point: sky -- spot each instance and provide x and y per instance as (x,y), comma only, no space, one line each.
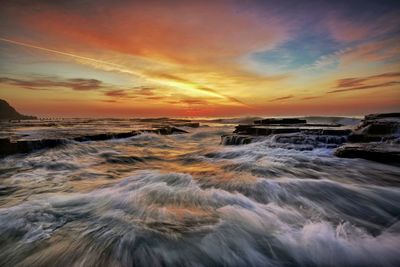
(82,58)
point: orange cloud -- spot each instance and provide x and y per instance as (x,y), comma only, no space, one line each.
(374,81)
(185,32)
(77,84)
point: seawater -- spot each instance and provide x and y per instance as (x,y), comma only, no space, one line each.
(186,200)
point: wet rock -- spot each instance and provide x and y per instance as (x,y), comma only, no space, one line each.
(290,131)
(382,116)
(380,152)
(187,124)
(316,141)
(285,121)
(234,139)
(377,128)
(264,131)
(376,138)
(165,131)
(105,136)
(109,136)
(260,130)
(26,146)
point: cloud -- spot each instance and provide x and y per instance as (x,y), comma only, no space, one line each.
(386,49)
(116,93)
(310,97)
(144,91)
(356,28)
(385,84)
(193,101)
(78,84)
(133,92)
(282,98)
(374,81)
(193,85)
(181,31)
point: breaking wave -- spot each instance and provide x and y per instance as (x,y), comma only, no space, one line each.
(184,200)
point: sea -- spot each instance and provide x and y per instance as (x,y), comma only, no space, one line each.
(188,200)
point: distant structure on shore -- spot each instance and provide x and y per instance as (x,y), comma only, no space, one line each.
(7,112)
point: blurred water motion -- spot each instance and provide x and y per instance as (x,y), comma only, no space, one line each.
(185,200)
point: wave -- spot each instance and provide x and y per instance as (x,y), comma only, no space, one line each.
(153,218)
(104,204)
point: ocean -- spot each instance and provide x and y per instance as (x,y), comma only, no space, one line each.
(187,200)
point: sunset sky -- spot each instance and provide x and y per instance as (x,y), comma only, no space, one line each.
(199,58)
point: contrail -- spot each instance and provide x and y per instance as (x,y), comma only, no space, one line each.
(58,52)
(119,67)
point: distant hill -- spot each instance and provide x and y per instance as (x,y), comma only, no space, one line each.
(7,112)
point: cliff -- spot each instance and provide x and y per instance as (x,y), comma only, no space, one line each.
(7,112)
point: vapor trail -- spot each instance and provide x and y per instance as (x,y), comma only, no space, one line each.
(58,52)
(117,66)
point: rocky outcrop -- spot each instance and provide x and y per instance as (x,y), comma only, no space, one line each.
(235,139)
(313,140)
(385,153)
(7,147)
(285,121)
(165,122)
(376,138)
(377,128)
(7,112)
(292,131)
(307,129)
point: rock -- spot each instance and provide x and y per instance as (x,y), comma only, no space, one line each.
(108,136)
(187,124)
(26,146)
(377,128)
(234,139)
(165,131)
(285,121)
(382,115)
(7,112)
(105,136)
(317,141)
(260,130)
(381,152)
(293,131)
(376,138)
(265,130)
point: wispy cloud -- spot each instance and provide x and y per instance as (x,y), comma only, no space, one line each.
(282,98)
(360,83)
(78,84)
(310,97)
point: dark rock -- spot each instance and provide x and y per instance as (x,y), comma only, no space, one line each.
(105,136)
(382,115)
(381,129)
(234,139)
(7,112)
(165,131)
(109,136)
(187,124)
(377,128)
(260,130)
(284,121)
(26,146)
(315,141)
(380,152)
